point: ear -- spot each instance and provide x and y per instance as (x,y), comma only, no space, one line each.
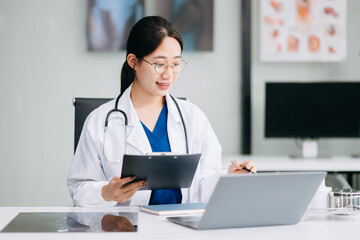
(131,60)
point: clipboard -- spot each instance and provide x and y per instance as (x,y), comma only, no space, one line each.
(162,171)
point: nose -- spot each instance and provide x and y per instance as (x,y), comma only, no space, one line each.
(169,73)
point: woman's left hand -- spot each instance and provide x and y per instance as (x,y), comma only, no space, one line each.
(238,167)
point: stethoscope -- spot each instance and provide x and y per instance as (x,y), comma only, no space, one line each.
(116,109)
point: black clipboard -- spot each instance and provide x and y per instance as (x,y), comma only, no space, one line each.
(162,171)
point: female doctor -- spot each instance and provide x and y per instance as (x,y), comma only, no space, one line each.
(146,119)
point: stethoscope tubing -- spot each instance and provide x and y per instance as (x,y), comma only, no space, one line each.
(116,109)
(183,124)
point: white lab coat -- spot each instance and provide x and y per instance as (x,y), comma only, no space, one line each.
(90,170)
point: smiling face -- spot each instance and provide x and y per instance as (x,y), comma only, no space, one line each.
(147,81)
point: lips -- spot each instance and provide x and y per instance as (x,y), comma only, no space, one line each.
(163,86)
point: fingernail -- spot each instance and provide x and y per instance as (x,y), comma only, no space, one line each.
(132,178)
(145,183)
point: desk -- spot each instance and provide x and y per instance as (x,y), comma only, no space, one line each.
(339,164)
(314,225)
(281,163)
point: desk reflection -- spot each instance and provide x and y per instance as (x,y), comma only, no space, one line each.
(62,222)
(111,223)
(102,222)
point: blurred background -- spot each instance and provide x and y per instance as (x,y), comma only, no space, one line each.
(46,59)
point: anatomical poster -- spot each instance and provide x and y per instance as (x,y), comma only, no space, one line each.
(302,30)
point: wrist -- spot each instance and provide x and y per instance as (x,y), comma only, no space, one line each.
(105,193)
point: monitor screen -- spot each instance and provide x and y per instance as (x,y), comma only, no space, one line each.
(312,110)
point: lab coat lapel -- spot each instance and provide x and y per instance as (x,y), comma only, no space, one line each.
(136,136)
(138,139)
(175,128)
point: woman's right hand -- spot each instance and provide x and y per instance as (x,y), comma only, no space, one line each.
(116,191)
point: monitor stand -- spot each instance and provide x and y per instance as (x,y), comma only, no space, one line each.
(309,150)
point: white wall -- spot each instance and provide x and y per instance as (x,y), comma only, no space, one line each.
(348,70)
(44,64)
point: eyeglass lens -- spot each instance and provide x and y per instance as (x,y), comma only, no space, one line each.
(177,67)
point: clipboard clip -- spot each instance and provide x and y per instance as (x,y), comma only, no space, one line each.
(162,153)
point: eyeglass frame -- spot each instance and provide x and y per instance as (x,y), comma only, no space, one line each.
(169,65)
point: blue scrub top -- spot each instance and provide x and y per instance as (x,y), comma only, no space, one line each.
(159,142)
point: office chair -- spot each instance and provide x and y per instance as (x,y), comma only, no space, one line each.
(83,107)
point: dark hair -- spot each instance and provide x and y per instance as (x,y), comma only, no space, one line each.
(145,36)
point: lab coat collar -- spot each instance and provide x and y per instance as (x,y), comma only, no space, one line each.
(126,105)
(136,135)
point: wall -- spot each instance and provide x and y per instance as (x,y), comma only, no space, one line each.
(348,70)
(44,64)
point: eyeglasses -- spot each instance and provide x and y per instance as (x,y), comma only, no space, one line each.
(163,66)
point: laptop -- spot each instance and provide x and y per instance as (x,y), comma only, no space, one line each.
(251,200)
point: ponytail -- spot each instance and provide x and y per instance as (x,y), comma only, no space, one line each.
(127,77)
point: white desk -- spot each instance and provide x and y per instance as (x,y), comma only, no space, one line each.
(281,163)
(314,225)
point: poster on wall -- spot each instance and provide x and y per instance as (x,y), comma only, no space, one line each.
(108,22)
(303,30)
(193,18)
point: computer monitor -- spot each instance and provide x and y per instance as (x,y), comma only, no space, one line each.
(311,110)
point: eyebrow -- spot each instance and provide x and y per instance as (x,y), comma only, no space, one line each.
(163,57)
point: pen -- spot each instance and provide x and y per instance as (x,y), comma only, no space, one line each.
(244,168)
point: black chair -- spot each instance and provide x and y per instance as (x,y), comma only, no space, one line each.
(83,107)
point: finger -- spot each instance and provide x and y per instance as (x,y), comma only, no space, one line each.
(238,165)
(241,166)
(128,194)
(246,163)
(249,164)
(123,181)
(136,185)
(234,167)
(125,192)
(241,170)
(114,182)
